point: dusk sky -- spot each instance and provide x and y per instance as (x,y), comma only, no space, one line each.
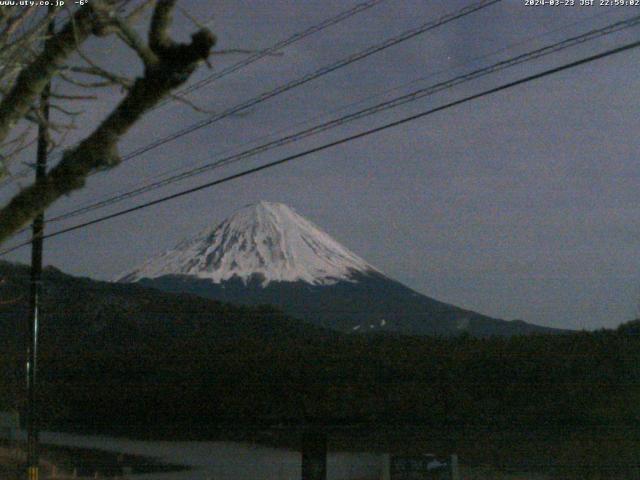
(522,204)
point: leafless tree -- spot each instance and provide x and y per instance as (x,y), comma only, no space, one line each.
(26,70)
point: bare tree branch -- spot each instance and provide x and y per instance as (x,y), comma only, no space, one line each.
(98,71)
(138,11)
(131,38)
(111,78)
(33,78)
(70,113)
(159,39)
(80,83)
(61,96)
(14,23)
(176,62)
(190,104)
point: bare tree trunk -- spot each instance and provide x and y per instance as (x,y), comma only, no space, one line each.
(167,65)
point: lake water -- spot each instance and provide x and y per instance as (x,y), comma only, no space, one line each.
(223,460)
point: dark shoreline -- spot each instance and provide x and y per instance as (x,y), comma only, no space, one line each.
(567,452)
(88,461)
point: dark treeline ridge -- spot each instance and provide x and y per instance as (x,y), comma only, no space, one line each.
(122,359)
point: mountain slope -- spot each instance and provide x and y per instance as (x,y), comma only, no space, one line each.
(268,241)
(85,311)
(371,303)
(268,254)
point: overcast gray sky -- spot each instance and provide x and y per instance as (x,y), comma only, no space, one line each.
(523,204)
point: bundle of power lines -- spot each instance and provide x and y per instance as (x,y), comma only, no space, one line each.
(341,120)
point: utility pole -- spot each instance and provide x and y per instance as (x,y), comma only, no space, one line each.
(314,454)
(36,286)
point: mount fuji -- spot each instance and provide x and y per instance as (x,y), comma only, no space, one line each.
(266,253)
(267,242)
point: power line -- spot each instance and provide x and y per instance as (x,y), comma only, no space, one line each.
(296,37)
(393,103)
(143,181)
(341,141)
(403,37)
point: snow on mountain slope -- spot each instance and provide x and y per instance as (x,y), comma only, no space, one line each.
(269,240)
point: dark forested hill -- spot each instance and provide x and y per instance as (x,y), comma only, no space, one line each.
(123,353)
(123,358)
(370,303)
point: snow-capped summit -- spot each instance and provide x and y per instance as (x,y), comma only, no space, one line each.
(269,241)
